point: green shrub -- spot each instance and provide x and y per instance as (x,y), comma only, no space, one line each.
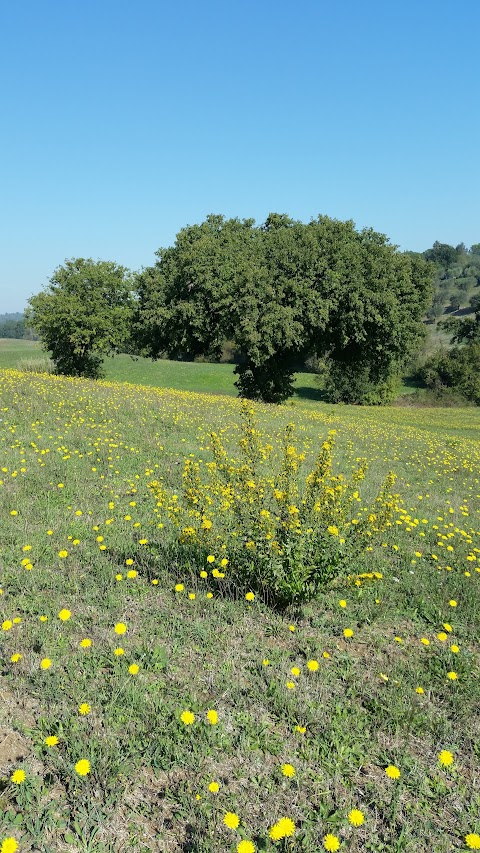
(283,535)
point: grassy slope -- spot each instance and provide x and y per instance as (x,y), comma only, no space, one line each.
(69,448)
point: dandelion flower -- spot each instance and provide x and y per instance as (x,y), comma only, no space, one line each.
(231,820)
(187,717)
(425,641)
(7,625)
(452,676)
(342,602)
(18,776)
(295,671)
(312,665)
(301,729)
(132,574)
(16,657)
(82,767)
(420,691)
(250,596)
(284,828)
(347,634)
(133,668)
(45,663)
(446,758)
(246,846)
(212,717)
(120,628)
(203,574)
(9,845)
(51,740)
(472,840)
(356,817)
(392,772)
(210,558)
(452,602)
(455,649)
(331,842)
(84,709)
(86,643)
(290,685)
(119,651)
(63,554)
(179,587)
(214,787)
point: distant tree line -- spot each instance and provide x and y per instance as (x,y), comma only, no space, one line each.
(13,326)
(457,274)
(280,293)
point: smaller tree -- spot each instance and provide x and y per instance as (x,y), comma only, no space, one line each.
(83,314)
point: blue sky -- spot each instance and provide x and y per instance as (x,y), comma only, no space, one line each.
(124,120)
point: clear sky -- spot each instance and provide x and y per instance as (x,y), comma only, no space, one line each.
(124,120)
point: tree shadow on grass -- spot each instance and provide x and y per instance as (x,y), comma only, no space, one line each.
(306,393)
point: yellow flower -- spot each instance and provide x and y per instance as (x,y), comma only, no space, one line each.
(212,717)
(455,649)
(203,574)
(392,772)
(472,840)
(326,655)
(120,628)
(45,663)
(312,665)
(331,843)
(86,643)
(119,577)
(283,828)
(133,668)
(419,690)
(63,554)
(132,574)
(452,602)
(82,767)
(119,651)
(301,729)
(266,662)
(84,709)
(446,758)
(179,587)
(290,685)
(18,776)
(51,740)
(129,562)
(231,820)
(452,676)
(7,625)
(9,845)
(342,602)
(442,636)
(356,817)
(187,717)
(295,671)
(250,596)
(210,558)
(425,641)
(288,770)
(16,657)
(214,787)
(348,633)
(333,530)
(246,846)
(291,628)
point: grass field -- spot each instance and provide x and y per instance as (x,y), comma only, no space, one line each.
(149,705)
(183,376)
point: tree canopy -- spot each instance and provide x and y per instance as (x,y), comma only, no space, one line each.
(284,291)
(83,314)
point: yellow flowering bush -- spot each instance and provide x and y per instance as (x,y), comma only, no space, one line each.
(287,534)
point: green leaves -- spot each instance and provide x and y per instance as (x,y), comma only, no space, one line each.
(83,314)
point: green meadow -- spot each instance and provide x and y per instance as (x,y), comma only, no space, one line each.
(152,702)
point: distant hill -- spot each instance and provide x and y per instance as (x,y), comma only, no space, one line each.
(457,283)
(4,318)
